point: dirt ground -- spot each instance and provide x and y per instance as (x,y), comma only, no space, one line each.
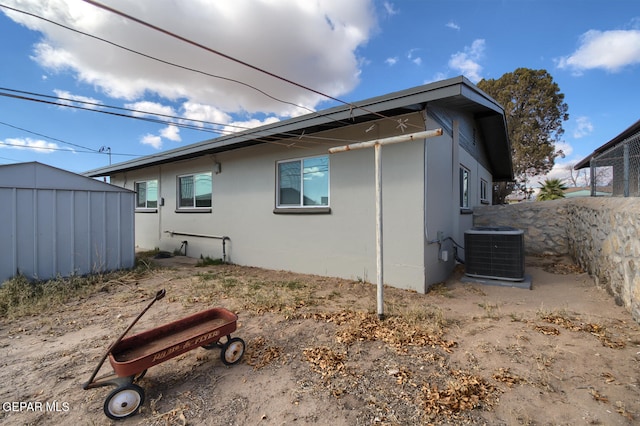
(561,353)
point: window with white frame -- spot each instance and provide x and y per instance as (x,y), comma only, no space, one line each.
(194,191)
(464,188)
(147,194)
(484,191)
(303,182)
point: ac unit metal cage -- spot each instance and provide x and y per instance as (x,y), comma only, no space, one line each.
(494,252)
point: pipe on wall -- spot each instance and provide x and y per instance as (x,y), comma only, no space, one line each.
(224,239)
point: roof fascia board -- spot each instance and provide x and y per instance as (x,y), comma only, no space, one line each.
(415,96)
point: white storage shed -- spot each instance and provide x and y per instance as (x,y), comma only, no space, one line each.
(57,223)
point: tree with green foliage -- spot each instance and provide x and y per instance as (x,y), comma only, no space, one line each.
(551,189)
(534,109)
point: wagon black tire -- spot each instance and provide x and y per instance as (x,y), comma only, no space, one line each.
(232,351)
(124,402)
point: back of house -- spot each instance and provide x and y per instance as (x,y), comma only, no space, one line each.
(274,197)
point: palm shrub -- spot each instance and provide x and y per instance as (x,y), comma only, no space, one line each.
(551,189)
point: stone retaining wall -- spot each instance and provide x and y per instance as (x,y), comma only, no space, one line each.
(601,234)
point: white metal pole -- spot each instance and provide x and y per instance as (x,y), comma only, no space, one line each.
(377,146)
(379,229)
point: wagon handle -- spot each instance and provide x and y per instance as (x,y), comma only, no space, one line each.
(159,295)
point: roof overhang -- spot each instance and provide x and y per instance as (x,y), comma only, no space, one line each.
(456,93)
(626,134)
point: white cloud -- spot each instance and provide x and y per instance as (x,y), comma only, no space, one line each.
(453,26)
(609,50)
(153,140)
(202,112)
(413,58)
(565,148)
(390,8)
(583,127)
(391,61)
(238,126)
(172,133)
(36,145)
(144,108)
(67,98)
(259,33)
(466,62)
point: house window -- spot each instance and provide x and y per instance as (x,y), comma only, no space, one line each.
(303,183)
(194,191)
(464,188)
(484,191)
(147,194)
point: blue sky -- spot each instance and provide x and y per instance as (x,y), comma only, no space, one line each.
(349,50)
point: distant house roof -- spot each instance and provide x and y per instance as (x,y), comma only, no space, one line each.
(601,191)
(456,93)
(34,175)
(631,131)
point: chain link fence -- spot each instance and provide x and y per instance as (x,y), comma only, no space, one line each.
(617,171)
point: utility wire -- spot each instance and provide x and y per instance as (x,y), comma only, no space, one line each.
(401,125)
(137,111)
(181,119)
(157,59)
(165,61)
(260,138)
(47,137)
(239,61)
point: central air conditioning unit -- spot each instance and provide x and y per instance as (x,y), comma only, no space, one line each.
(494,252)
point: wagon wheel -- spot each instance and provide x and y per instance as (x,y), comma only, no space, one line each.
(123,402)
(232,351)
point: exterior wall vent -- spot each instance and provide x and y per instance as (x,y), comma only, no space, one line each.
(494,252)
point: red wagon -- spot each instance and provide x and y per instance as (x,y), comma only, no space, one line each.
(131,357)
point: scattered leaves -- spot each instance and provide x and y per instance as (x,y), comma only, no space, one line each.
(548,330)
(325,360)
(597,330)
(259,354)
(464,392)
(504,375)
(394,330)
(598,397)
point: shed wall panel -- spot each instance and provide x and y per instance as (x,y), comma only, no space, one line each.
(7,233)
(25,232)
(45,233)
(64,233)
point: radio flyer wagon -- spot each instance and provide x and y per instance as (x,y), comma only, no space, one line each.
(131,357)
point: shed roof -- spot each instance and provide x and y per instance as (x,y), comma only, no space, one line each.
(629,132)
(456,93)
(34,175)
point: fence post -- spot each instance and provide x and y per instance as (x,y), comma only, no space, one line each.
(592,176)
(625,159)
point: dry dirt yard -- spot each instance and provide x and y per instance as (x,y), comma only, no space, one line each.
(561,353)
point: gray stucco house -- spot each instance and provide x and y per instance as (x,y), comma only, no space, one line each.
(285,203)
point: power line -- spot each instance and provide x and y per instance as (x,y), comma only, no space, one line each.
(47,137)
(157,59)
(165,61)
(260,138)
(233,59)
(137,111)
(401,125)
